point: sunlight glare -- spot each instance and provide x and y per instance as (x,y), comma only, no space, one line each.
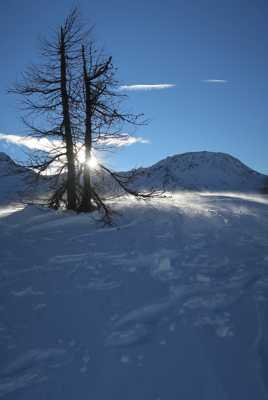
(92,163)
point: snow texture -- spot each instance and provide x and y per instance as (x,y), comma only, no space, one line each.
(171,302)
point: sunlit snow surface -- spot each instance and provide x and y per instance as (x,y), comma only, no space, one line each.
(5,211)
(168,303)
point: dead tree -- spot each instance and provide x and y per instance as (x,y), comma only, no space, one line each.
(103,123)
(49,93)
(87,190)
(73,101)
(65,100)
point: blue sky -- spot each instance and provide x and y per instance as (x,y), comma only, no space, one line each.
(184,43)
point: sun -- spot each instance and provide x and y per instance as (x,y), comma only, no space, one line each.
(92,163)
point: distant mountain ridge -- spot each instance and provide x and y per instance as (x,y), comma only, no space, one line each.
(13,179)
(9,167)
(197,171)
(202,170)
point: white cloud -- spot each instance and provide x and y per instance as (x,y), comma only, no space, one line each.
(45,144)
(123,140)
(214,81)
(30,142)
(159,86)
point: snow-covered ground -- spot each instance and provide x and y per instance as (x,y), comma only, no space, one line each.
(171,302)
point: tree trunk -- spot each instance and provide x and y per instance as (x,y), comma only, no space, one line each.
(87,195)
(71,175)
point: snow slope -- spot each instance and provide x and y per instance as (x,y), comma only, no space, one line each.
(201,171)
(171,302)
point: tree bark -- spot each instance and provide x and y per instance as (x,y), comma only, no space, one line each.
(71,175)
(87,195)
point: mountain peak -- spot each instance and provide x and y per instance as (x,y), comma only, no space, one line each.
(202,170)
(9,167)
(5,157)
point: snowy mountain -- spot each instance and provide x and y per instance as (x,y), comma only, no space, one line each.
(9,167)
(15,150)
(13,179)
(201,171)
(171,302)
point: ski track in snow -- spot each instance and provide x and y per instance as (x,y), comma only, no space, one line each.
(206,254)
(30,368)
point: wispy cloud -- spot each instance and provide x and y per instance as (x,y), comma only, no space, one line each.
(214,81)
(123,140)
(31,143)
(45,144)
(146,87)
